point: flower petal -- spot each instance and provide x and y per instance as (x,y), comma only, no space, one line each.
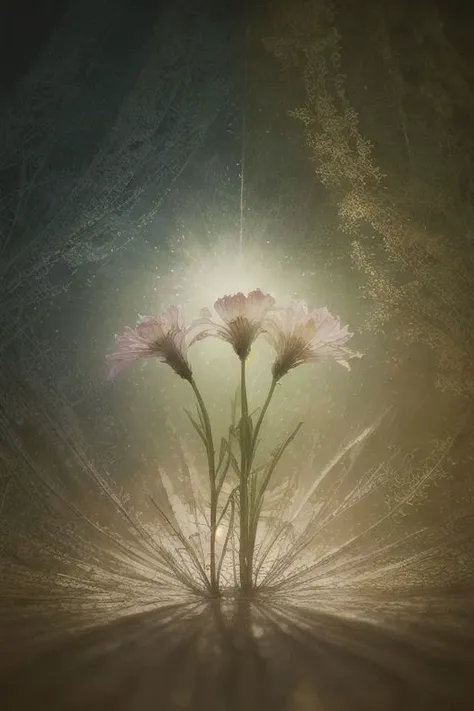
(162,337)
(299,336)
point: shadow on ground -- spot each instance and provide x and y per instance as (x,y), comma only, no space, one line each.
(246,655)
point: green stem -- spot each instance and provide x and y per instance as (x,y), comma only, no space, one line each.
(245,573)
(213,485)
(252,520)
(263,413)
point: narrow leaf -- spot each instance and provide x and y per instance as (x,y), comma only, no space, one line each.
(225,469)
(222,451)
(201,418)
(228,535)
(224,510)
(197,428)
(276,458)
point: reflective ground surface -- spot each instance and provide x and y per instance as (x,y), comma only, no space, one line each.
(250,656)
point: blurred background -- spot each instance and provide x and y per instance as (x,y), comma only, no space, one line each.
(170,153)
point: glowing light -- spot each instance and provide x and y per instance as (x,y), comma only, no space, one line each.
(204,276)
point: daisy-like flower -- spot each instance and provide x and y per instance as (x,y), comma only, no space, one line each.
(163,337)
(242,317)
(301,336)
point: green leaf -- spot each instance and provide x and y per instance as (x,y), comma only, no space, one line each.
(253,484)
(224,510)
(197,428)
(250,430)
(229,533)
(222,451)
(225,469)
(234,464)
(201,418)
(274,463)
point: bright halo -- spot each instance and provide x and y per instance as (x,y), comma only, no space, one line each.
(201,276)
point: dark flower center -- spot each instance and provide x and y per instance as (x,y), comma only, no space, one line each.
(293,351)
(167,349)
(242,334)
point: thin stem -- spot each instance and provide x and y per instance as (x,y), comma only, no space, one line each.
(263,413)
(230,531)
(253,515)
(245,574)
(213,485)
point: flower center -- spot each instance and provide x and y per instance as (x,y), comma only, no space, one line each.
(242,334)
(293,353)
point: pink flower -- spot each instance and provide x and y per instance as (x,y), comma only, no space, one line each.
(243,317)
(300,336)
(162,337)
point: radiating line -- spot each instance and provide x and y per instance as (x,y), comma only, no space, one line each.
(244,130)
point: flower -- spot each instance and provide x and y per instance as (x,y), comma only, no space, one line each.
(300,336)
(162,337)
(243,317)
